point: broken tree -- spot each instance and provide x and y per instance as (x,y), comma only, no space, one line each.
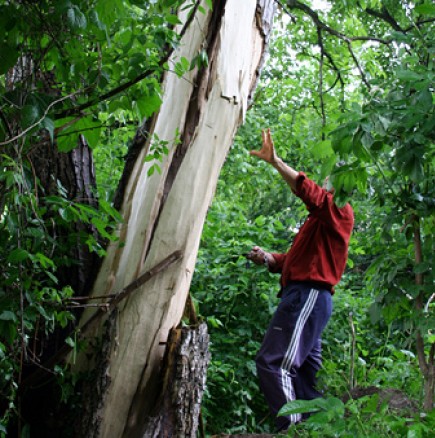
(164,212)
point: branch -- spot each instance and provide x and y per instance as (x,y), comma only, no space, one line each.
(424,366)
(431,359)
(355,60)
(109,307)
(295,4)
(336,69)
(76,110)
(420,23)
(426,307)
(385,16)
(418,255)
(5,121)
(283,7)
(121,295)
(333,65)
(47,110)
(322,103)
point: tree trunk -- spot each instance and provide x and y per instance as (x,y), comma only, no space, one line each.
(426,363)
(52,172)
(164,212)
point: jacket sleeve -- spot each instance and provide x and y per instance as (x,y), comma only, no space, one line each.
(321,203)
(311,194)
(279,259)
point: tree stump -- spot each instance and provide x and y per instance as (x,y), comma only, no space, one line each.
(184,377)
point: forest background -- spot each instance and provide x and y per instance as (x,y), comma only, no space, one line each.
(346,81)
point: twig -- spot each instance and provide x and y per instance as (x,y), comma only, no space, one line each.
(352,352)
(322,102)
(355,60)
(426,307)
(5,121)
(284,8)
(73,305)
(87,298)
(419,23)
(51,105)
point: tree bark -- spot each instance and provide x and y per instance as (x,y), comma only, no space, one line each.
(426,363)
(76,173)
(177,412)
(164,212)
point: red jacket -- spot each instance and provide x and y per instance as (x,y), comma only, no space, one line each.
(319,250)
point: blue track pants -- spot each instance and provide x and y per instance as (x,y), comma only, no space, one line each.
(291,352)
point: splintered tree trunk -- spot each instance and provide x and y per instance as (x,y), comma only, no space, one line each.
(163,214)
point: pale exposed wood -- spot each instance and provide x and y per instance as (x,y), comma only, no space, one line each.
(166,211)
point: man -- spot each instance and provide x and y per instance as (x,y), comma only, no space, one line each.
(290,355)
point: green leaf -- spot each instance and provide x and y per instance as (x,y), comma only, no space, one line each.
(17,255)
(315,405)
(169,3)
(87,126)
(29,115)
(409,76)
(173,19)
(426,9)
(7,315)
(422,267)
(260,221)
(101,227)
(413,167)
(69,341)
(44,260)
(298,407)
(148,105)
(107,207)
(185,63)
(75,18)
(48,124)
(53,278)
(323,149)
(8,57)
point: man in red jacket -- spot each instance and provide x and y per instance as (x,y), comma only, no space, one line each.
(290,355)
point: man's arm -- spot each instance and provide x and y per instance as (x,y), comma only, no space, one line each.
(268,154)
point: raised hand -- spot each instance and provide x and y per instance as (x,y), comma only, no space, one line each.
(267,151)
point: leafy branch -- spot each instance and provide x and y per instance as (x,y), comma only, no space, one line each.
(117,90)
(322,26)
(295,4)
(34,125)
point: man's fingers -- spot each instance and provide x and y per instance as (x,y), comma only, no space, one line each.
(269,136)
(263,138)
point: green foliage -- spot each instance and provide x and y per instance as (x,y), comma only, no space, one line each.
(356,89)
(368,416)
(32,302)
(361,94)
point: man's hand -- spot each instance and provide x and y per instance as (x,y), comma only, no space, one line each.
(268,154)
(260,257)
(267,151)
